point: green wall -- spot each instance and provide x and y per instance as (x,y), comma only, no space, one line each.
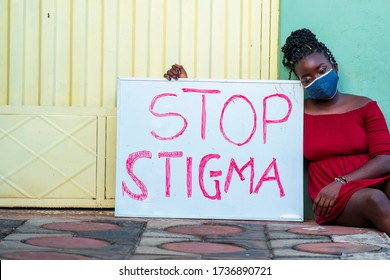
(358,34)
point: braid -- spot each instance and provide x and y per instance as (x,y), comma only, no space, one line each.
(300,44)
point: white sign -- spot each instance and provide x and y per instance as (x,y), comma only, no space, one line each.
(217,149)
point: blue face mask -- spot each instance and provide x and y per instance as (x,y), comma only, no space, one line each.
(324,87)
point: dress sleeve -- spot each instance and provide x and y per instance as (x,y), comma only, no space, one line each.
(377,131)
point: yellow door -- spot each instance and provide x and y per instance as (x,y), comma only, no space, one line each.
(59,64)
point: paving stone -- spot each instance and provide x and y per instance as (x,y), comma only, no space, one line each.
(289,243)
(164,234)
(247,235)
(236,231)
(7,246)
(366,256)
(40,255)
(283,227)
(295,254)
(327,230)
(113,252)
(121,236)
(205,229)
(164,257)
(251,226)
(166,223)
(202,247)
(372,238)
(248,244)
(151,250)
(128,233)
(244,255)
(336,248)
(38,222)
(35,229)
(7,226)
(66,242)
(287,235)
(80,226)
(159,241)
(140,225)
(24,236)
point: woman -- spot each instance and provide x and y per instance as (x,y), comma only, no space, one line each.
(346,140)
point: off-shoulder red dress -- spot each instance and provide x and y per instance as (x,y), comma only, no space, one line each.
(337,144)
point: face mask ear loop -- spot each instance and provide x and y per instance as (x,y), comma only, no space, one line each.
(337,86)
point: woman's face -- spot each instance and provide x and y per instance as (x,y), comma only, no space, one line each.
(312,66)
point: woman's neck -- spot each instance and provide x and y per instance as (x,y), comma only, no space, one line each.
(316,106)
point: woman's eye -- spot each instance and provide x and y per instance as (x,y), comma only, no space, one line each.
(323,70)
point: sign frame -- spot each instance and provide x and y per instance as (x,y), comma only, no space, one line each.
(171,135)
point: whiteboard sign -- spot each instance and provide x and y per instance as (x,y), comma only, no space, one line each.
(216,149)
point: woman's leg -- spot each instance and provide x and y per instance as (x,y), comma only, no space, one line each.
(387,189)
(367,207)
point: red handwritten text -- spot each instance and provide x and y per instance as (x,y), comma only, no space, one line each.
(265,177)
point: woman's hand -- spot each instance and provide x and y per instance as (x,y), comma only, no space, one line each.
(177,71)
(325,199)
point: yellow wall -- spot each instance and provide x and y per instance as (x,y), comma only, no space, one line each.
(59,62)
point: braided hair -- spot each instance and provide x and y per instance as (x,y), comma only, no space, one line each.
(300,44)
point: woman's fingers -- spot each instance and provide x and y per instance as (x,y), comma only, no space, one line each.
(171,74)
(166,76)
(322,206)
(330,206)
(177,71)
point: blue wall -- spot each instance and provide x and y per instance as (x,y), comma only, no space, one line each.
(358,34)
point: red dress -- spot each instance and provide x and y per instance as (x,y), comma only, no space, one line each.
(337,144)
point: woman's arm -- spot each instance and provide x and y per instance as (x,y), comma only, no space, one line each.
(377,167)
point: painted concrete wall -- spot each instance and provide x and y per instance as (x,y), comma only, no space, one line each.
(357,32)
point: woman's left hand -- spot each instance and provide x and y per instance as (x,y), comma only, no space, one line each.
(177,71)
(325,199)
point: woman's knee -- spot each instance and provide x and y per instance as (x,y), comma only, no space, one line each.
(377,201)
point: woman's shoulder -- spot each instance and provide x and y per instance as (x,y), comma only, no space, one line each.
(355,102)
(346,103)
